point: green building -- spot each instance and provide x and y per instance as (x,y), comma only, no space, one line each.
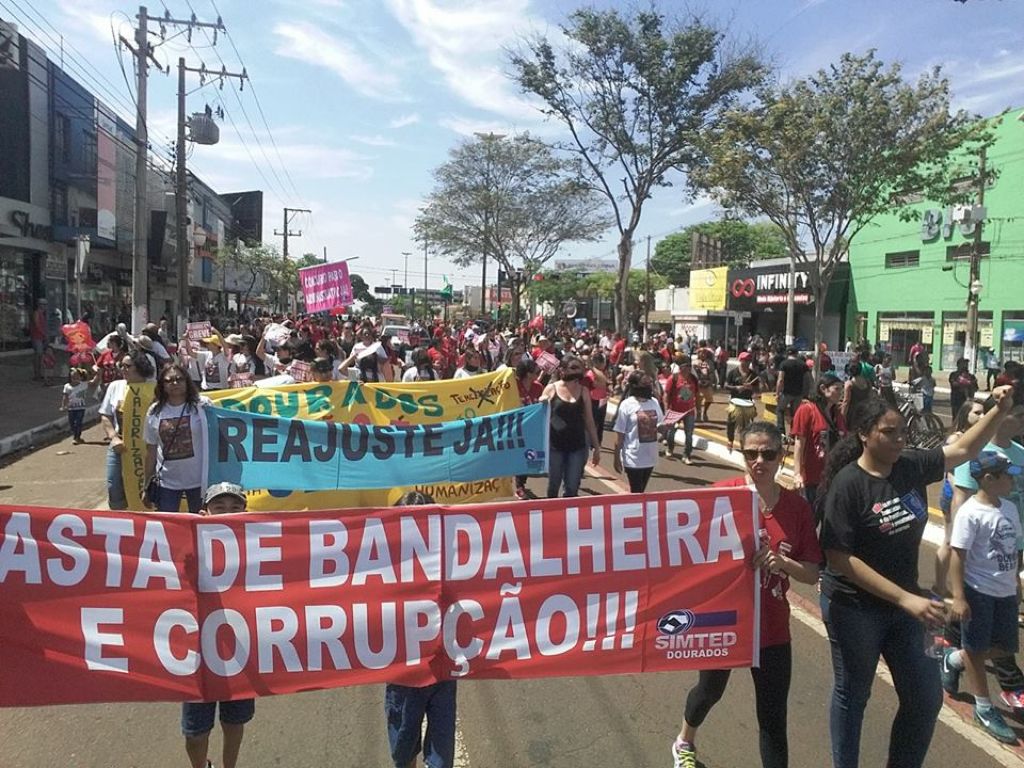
(909,280)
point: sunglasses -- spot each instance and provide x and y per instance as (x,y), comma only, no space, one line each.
(174,380)
(766,454)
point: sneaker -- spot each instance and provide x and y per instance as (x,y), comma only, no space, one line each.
(1013,699)
(683,755)
(687,460)
(668,454)
(950,676)
(992,721)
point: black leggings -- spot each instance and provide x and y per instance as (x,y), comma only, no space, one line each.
(771,692)
(638,478)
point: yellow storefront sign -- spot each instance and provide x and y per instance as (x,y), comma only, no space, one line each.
(708,289)
(347,402)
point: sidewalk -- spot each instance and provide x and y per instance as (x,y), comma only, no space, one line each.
(29,411)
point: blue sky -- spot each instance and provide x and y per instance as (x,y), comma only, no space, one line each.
(365,97)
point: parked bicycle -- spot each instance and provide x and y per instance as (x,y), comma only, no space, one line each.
(924,430)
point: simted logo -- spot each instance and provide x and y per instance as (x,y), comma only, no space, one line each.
(675,622)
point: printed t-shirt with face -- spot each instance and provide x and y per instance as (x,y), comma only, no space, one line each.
(790,531)
(76,395)
(214,368)
(1014,453)
(990,536)
(178,457)
(879,520)
(810,425)
(638,420)
(112,405)
(682,392)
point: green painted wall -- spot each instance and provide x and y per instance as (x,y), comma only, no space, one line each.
(926,288)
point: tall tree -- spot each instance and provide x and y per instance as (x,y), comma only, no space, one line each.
(742,242)
(634,96)
(821,157)
(509,200)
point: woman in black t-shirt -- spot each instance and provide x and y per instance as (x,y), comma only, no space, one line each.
(875,512)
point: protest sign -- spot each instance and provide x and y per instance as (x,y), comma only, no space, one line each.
(198,331)
(547,362)
(304,455)
(300,371)
(671,417)
(112,607)
(346,402)
(325,286)
(241,379)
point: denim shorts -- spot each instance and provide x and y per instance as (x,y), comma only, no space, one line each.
(197,716)
(993,622)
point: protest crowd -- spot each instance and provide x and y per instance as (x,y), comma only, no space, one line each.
(849,518)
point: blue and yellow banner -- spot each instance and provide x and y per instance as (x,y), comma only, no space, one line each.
(303,455)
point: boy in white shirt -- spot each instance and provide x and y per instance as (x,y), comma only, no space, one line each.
(983,578)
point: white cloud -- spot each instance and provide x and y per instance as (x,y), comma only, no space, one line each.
(374,141)
(404,120)
(465,40)
(303,160)
(363,72)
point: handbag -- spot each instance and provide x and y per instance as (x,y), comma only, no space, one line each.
(152,489)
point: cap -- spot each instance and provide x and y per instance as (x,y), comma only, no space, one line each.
(223,489)
(744,355)
(145,342)
(212,340)
(990,462)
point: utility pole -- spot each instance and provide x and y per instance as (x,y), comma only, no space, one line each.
(325,254)
(143,53)
(426,300)
(409,305)
(790,303)
(286,233)
(647,292)
(974,281)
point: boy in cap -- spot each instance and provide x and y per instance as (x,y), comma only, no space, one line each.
(197,717)
(983,578)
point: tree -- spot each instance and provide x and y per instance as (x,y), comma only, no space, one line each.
(557,288)
(361,292)
(742,243)
(634,97)
(511,201)
(822,157)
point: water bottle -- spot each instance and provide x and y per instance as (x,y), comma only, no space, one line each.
(934,640)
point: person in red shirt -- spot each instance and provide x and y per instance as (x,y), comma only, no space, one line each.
(107,368)
(681,396)
(818,424)
(618,348)
(789,550)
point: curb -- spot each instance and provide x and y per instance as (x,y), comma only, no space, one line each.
(29,437)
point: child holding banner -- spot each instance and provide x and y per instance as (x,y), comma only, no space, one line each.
(197,716)
(407,706)
(789,549)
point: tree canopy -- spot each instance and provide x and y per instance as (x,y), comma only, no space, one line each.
(823,156)
(742,243)
(511,199)
(634,95)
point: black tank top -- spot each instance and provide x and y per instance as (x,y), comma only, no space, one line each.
(568,428)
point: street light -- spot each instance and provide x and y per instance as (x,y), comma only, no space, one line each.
(488,137)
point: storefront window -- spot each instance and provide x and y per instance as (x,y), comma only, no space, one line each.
(1013,336)
(954,334)
(899,331)
(15,299)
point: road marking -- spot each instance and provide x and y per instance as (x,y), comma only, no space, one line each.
(947,715)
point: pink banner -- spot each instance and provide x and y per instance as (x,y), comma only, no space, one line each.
(325,286)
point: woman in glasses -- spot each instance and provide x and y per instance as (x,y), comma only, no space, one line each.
(173,436)
(788,550)
(875,512)
(135,369)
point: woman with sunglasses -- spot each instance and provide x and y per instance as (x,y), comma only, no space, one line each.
(172,433)
(875,512)
(572,424)
(135,369)
(788,550)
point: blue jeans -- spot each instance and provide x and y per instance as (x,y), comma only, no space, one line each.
(858,636)
(76,416)
(688,421)
(405,708)
(567,466)
(169,499)
(116,498)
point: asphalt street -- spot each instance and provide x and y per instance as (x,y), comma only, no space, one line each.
(621,720)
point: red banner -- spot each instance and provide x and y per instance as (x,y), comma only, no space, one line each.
(105,606)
